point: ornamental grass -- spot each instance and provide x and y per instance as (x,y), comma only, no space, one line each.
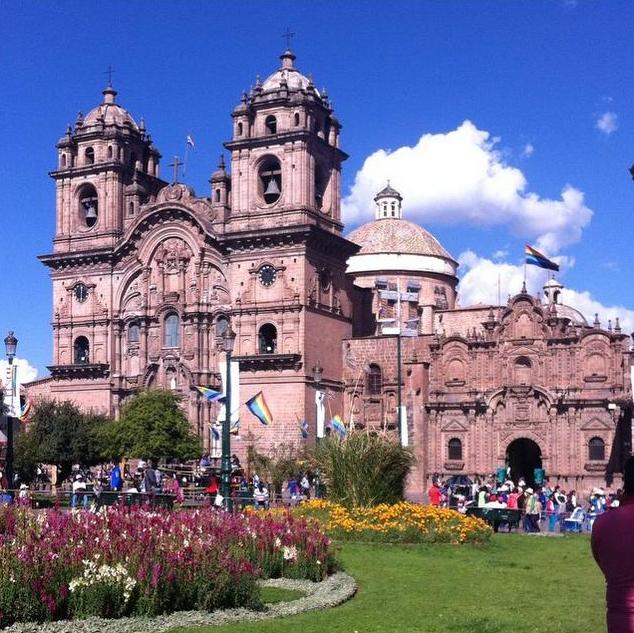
(62,565)
(396,523)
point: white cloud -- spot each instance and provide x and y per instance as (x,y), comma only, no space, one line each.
(607,123)
(479,284)
(26,372)
(528,150)
(461,178)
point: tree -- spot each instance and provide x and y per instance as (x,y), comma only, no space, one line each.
(283,462)
(59,433)
(152,425)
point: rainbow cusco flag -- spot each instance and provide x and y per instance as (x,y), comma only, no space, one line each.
(259,408)
(210,394)
(534,257)
(337,425)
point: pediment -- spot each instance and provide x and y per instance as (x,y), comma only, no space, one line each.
(453,425)
(595,425)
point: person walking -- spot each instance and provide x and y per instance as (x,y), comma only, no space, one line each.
(613,550)
(116,481)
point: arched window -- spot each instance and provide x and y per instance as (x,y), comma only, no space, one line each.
(296,119)
(321,182)
(270,124)
(134,332)
(81,351)
(268,339)
(131,208)
(172,330)
(239,132)
(221,325)
(270,180)
(596,449)
(217,199)
(63,160)
(454,449)
(89,156)
(89,205)
(375,380)
(109,151)
(523,371)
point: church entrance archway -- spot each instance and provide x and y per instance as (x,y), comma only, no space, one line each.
(523,456)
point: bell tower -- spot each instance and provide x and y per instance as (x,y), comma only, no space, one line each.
(285,156)
(107,168)
(287,255)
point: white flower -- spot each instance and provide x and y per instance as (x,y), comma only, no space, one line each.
(289,553)
(277,542)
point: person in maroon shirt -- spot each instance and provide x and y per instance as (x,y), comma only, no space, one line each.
(613,550)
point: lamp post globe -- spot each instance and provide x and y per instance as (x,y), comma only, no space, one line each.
(228,342)
(318,372)
(10,346)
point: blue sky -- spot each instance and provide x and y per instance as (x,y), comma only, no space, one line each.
(547,87)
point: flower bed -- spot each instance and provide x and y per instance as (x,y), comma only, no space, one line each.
(119,562)
(399,522)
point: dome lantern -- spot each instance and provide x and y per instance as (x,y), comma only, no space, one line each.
(388,203)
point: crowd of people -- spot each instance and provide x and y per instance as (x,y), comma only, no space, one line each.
(196,482)
(542,507)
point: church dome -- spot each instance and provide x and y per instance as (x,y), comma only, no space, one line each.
(395,235)
(568,312)
(391,243)
(288,77)
(110,113)
(553,290)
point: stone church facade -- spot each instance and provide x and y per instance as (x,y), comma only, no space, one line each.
(147,276)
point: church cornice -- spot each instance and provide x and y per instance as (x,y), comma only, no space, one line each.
(267,362)
(308,234)
(94,169)
(282,138)
(93,257)
(79,371)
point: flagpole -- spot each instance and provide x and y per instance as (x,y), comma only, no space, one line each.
(185,161)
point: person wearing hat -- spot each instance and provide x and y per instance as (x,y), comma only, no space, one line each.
(613,550)
(533,510)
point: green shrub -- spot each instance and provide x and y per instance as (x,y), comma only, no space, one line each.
(363,469)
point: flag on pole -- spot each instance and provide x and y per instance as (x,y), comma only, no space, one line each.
(337,425)
(215,433)
(25,409)
(190,141)
(257,405)
(210,394)
(303,429)
(534,257)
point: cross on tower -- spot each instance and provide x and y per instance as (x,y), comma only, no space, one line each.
(176,164)
(288,36)
(109,73)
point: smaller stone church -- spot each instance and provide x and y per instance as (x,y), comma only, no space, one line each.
(147,276)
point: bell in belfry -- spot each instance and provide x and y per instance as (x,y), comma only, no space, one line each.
(91,212)
(272,189)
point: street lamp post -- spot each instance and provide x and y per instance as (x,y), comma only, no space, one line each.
(10,346)
(318,372)
(399,396)
(225,464)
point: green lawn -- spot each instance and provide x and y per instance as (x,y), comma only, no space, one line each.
(516,584)
(271,595)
